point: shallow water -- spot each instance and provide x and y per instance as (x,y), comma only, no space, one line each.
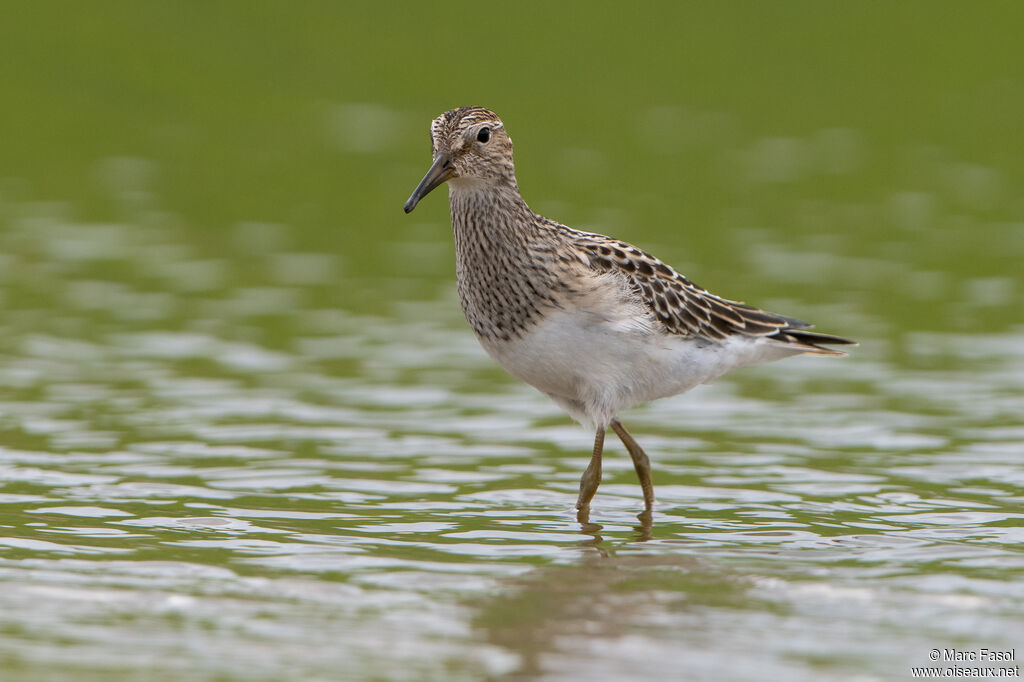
(246,434)
(185,497)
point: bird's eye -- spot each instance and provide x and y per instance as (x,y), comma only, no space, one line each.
(483,135)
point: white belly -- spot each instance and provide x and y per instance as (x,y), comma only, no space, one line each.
(595,367)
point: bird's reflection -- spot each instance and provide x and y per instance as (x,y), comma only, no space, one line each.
(606,595)
(644,529)
(590,529)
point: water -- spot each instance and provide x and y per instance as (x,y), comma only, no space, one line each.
(372,499)
(245,433)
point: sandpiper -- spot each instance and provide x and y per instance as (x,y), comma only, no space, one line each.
(593,322)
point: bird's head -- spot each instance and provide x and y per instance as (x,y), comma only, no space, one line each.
(470,147)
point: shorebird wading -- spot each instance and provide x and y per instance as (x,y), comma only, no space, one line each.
(593,322)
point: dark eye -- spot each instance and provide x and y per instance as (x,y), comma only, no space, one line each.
(483,135)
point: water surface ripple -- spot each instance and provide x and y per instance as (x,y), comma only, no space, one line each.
(221,481)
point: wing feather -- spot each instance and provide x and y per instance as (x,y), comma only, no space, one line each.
(688,310)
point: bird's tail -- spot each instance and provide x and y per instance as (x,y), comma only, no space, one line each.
(812,342)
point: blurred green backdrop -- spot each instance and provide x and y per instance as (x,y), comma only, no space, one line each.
(687,127)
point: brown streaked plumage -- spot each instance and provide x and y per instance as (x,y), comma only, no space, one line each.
(594,322)
(685,309)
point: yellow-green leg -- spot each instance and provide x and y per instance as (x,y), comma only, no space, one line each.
(640,462)
(592,476)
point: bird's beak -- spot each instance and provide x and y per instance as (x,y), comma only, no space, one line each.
(440,171)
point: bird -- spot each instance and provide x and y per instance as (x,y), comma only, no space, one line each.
(593,322)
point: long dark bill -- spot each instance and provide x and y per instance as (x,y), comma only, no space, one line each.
(439,171)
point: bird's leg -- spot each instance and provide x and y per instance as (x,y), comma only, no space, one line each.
(592,476)
(640,462)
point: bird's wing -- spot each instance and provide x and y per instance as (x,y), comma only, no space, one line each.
(686,309)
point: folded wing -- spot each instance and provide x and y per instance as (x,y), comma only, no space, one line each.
(686,309)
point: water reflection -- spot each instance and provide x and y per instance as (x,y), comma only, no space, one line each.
(610,616)
(643,528)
